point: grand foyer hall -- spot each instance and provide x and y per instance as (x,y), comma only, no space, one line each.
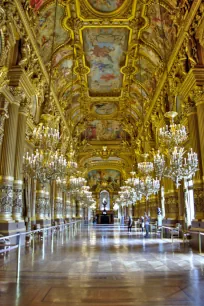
(103,265)
(101,131)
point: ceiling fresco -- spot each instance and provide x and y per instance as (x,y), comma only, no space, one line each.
(109,57)
(106,5)
(104,130)
(105,52)
(161,33)
(105,109)
(97,178)
(45,26)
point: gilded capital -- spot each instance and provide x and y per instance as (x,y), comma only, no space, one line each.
(18,94)
(198,95)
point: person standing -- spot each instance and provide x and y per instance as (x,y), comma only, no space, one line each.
(146,222)
(129,224)
(142,223)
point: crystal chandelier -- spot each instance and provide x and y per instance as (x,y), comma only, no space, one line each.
(44,166)
(177,164)
(179,167)
(174,134)
(145,167)
(147,186)
(76,182)
(46,137)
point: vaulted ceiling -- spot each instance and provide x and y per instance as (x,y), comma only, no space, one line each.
(107,58)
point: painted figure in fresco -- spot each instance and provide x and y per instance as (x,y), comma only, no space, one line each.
(36,4)
(102,52)
(102,67)
(107,77)
(99,3)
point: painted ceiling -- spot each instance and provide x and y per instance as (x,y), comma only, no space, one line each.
(104,50)
(107,59)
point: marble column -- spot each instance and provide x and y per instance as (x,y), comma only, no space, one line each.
(194,138)
(33,202)
(58,204)
(3,115)
(73,207)
(200,116)
(67,207)
(40,204)
(18,170)
(129,210)
(198,187)
(47,205)
(7,170)
(171,202)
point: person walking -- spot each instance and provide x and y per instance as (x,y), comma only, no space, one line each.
(129,224)
(146,222)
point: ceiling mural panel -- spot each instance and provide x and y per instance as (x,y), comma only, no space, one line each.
(105,108)
(104,130)
(105,54)
(106,5)
(161,33)
(117,9)
(107,177)
(45,27)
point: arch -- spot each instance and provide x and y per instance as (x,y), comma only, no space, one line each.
(104,197)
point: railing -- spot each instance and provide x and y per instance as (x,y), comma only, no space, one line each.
(10,247)
(199,239)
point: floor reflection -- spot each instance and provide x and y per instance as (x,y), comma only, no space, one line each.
(102,266)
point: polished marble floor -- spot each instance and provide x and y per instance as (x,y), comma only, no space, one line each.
(103,266)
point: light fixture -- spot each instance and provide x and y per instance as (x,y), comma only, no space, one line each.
(174,134)
(44,165)
(145,167)
(177,165)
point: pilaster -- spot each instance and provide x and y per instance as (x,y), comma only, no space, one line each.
(18,171)
(8,161)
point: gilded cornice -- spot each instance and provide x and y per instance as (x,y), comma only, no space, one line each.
(18,77)
(195,77)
